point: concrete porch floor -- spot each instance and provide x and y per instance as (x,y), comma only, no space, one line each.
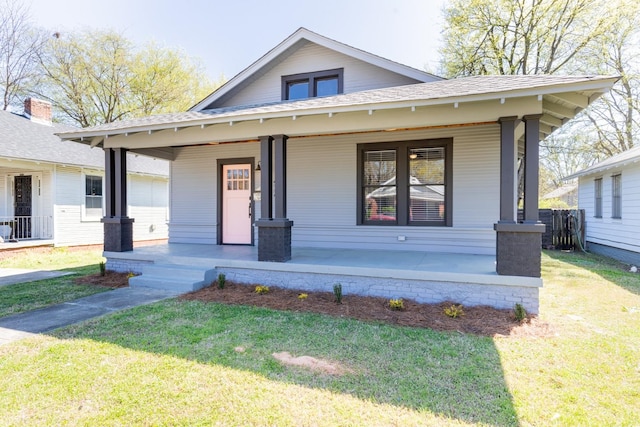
(424,276)
(194,254)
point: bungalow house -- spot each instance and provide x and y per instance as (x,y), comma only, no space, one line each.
(51,191)
(321,163)
(609,192)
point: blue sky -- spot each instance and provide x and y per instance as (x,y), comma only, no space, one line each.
(229,35)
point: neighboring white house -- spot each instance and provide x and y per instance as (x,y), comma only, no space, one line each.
(609,192)
(53,190)
(321,145)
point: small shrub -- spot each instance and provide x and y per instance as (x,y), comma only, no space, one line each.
(262,289)
(454,311)
(396,304)
(303,296)
(130,275)
(520,312)
(221,280)
(103,268)
(337,292)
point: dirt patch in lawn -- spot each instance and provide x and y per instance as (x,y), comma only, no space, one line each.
(311,363)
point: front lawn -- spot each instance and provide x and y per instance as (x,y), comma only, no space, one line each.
(33,295)
(189,363)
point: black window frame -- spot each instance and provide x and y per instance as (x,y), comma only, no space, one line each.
(597,191)
(616,196)
(402,149)
(312,78)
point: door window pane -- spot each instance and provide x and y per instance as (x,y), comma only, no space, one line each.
(238,179)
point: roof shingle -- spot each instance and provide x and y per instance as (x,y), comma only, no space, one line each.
(440,90)
(20,138)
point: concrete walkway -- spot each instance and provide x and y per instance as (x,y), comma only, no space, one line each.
(9,276)
(21,325)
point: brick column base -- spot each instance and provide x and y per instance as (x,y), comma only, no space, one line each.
(518,249)
(118,234)
(274,239)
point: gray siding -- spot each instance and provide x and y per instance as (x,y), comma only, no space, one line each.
(194,184)
(358,75)
(322,195)
(322,177)
(149,206)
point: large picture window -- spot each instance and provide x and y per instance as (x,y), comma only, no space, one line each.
(311,85)
(405,183)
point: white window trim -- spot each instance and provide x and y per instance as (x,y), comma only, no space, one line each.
(83,191)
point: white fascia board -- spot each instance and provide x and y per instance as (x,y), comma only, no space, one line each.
(597,170)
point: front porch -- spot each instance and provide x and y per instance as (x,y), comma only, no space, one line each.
(19,228)
(422,276)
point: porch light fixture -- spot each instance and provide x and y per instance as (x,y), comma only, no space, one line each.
(258,168)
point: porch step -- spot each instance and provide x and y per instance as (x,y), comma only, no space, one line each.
(179,278)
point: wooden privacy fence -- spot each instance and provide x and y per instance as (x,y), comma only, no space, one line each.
(565,228)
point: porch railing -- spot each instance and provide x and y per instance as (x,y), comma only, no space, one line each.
(26,227)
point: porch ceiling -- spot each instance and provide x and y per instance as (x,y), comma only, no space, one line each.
(462,101)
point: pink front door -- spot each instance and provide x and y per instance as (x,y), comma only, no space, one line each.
(236,204)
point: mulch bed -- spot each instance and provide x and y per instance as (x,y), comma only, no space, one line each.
(479,320)
(111,279)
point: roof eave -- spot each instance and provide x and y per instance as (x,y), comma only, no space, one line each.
(597,170)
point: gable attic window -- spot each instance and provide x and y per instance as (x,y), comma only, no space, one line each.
(311,85)
(405,183)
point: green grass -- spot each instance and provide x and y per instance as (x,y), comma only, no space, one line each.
(53,259)
(176,363)
(22,297)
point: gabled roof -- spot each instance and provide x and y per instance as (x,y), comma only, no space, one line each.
(615,162)
(23,139)
(562,98)
(293,42)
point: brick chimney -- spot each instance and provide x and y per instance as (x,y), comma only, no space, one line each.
(37,110)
